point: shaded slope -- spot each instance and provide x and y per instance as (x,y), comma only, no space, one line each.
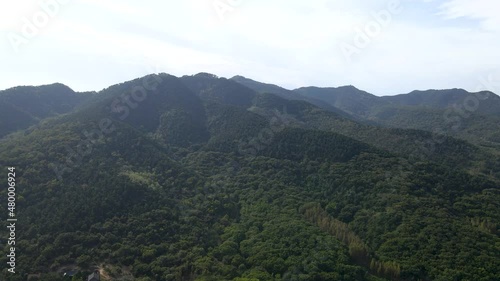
(159,105)
(24,106)
(212,88)
(415,144)
(487,102)
(288,94)
(348,98)
(298,144)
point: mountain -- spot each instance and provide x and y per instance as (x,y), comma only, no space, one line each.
(455,112)
(361,103)
(470,116)
(27,105)
(210,87)
(348,98)
(202,178)
(264,88)
(473,117)
(486,102)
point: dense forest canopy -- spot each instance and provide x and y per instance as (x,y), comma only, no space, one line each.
(208,178)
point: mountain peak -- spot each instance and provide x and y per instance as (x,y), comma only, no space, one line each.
(206,75)
(40,89)
(240,77)
(439,91)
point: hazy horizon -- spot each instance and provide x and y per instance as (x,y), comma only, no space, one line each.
(382,47)
(290,89)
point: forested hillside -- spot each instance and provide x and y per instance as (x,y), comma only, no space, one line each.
(205,178)
(23,106)
(474,117)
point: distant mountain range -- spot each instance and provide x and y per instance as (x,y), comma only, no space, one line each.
(23,106)
(471,116)
(454,111)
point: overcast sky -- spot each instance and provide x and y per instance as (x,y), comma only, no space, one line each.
(381,46)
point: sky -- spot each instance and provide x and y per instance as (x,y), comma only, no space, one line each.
(385,47)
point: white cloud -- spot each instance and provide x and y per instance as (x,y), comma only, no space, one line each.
(291,43)
(484,10)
